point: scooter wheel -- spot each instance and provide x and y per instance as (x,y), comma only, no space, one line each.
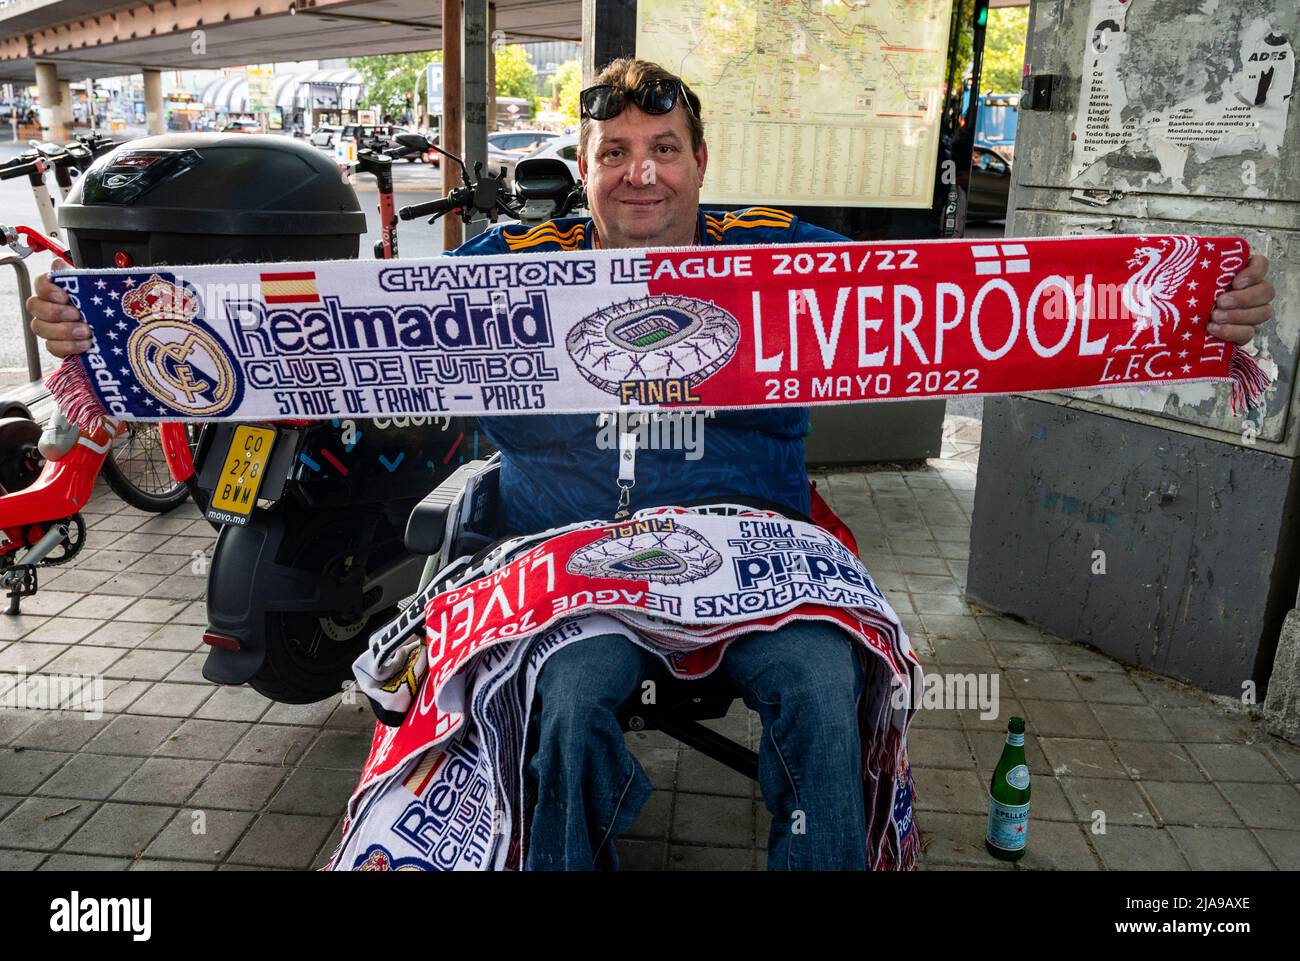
(287,676)
(309,655)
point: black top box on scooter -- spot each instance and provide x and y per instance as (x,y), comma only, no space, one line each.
(211,198)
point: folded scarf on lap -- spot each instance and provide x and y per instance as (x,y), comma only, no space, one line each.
(454,675)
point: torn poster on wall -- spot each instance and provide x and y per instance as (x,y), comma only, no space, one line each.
(1168,86)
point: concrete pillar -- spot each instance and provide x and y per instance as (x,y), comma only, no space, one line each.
(492,68)
(1282,706)
(453,233)
(155,118)
(1157,525)
(475,66)
(65,103)
(608,32)
(53,125)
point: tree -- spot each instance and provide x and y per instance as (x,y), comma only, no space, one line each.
(1004,49)
(566,84)
(515,74)
(389,78)
(965,45)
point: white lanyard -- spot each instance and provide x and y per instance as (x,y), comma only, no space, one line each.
(627,464)
(627,444)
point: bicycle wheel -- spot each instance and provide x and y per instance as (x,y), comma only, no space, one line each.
(136,470)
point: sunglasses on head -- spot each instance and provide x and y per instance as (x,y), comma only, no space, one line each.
(607,101)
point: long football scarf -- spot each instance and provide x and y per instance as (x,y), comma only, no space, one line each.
(454,676)
(708,327)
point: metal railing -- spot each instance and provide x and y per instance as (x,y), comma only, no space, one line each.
(25,291)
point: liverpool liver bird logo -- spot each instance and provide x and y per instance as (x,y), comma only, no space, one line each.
(1149,294)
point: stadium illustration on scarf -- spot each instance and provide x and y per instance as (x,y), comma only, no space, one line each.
(452,678)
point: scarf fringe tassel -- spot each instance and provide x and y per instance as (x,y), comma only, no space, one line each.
(70,386)
(1249,380)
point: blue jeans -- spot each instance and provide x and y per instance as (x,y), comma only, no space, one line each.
(803,680)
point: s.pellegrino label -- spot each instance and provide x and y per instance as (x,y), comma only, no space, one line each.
(1008,828)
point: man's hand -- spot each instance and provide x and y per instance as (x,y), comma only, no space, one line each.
(1245,305)
(60,325)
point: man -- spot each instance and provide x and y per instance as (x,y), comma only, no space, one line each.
(643,158)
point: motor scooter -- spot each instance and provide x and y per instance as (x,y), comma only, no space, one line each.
(310,559)
(310,555)
(317,562)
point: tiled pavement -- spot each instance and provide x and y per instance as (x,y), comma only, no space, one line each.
(179,774)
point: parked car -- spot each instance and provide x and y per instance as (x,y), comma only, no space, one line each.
(242,126)
(565,147)
(326,136)
(498,159)
(522,142)
(990,186)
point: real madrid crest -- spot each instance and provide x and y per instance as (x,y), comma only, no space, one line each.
(174,356)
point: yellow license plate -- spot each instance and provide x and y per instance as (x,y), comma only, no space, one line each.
(235,495)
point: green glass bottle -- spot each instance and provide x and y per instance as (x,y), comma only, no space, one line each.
(1008,829)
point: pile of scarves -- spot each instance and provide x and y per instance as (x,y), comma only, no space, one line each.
(453,677)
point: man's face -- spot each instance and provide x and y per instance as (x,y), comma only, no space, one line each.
(643,180)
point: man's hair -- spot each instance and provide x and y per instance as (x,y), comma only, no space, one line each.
(628,73)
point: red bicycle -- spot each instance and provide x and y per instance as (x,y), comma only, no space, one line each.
(142,467)
(46,477)
(51,475)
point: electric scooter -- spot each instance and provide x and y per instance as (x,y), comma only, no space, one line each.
(46,478)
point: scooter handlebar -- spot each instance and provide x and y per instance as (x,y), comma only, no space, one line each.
(12,170)
(432,207)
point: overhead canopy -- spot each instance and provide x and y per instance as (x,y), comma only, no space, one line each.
(229,94)
(93,39)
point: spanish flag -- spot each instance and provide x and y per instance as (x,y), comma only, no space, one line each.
(291,288)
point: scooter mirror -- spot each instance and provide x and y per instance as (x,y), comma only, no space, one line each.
(545,187)
(543,178)
(413,141)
